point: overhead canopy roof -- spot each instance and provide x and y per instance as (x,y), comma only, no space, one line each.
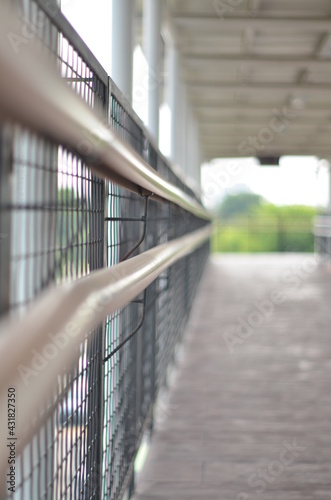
(246,62)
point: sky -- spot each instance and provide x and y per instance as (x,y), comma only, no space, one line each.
(297,181)
(92,20)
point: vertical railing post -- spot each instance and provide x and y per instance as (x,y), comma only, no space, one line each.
(5,238)
(95,351)
(96,348)
(138,381)
(6,165)
(154,231)
(187,276)
(153,355)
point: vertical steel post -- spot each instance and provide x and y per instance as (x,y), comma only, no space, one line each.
(173,98)
(5,237)
(152,50)
(122,45)
(6,165)
(98,260)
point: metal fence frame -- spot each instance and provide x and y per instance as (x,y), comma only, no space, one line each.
(94,419)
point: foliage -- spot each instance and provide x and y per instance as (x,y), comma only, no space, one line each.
(241,203)
(265,227)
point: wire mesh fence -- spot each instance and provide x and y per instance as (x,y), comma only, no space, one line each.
(59,222)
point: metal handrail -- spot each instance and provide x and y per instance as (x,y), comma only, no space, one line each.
(32,93)
(83,303)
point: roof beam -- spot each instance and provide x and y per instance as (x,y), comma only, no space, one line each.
(293,151)
(294,126)
(232,61)
(225,139)
(235,140)
(241,145)
(233,149)
(247,117)
(225,106)
(241,120)
(296,150)
(303,77)
(269,24)
(255,86)
(228,146)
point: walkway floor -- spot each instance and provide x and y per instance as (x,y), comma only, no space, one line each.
(249,414)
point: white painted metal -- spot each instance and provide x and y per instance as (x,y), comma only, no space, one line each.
(122,45)
(173,97)
(152,50)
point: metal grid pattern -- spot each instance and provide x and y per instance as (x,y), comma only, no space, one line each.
(60,222)
(124,124)
(54,218)
(135,374)
(53,221)
(42,18)
(55,213)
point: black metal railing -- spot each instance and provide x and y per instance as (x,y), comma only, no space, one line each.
(59,221)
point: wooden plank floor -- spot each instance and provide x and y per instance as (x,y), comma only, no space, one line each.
(254,423)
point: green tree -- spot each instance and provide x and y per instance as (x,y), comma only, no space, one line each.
(239,204)
(264,227)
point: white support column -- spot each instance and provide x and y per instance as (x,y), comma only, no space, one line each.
(184,120)
(122,45)
(190,144)
(173,98)
(152,51)
(184,143)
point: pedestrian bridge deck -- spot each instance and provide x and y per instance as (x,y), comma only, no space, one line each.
(248,414)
